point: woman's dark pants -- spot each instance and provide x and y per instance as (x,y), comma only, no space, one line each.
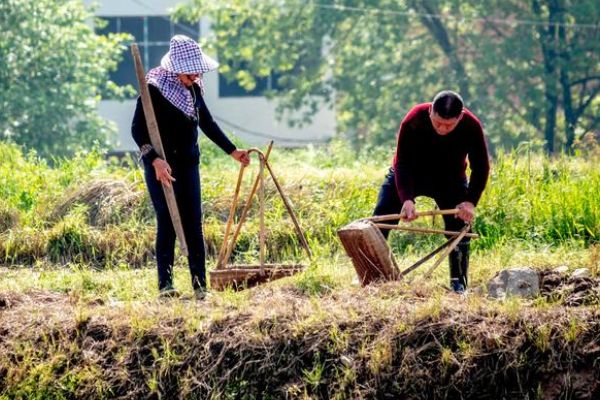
(388,202)
(187,193)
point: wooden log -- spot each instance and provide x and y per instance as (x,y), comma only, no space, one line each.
(158,147)
(370,254)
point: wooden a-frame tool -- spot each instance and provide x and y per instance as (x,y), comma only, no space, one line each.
(243,276)
(372,257)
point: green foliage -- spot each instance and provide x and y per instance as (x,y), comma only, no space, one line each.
(69,239)
(374,59)
(533,199)
(53,70)
(530,199)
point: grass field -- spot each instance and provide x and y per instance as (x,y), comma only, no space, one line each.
(80,317)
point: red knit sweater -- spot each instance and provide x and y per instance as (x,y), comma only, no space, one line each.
(427,162)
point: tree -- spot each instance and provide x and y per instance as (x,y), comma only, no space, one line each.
(551,53)
(53,71)
(373,59)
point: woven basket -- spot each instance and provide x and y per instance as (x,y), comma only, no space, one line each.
(240,277)
(369,252)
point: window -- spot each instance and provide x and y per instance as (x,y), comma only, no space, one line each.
(233,89)
(152,34)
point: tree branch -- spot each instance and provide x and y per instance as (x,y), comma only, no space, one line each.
(585,80)
(587,102)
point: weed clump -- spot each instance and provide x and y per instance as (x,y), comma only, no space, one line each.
(108,201)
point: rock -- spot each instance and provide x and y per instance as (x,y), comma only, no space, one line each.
(478,290)
(551,280)
(523,282)
(581,273)
(563,269)
(348,362)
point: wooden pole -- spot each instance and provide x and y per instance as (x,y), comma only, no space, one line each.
(390,217)
(261,200)
(463,233)
(222,252)
(157,145)
(426,258)
(245,211)
(290,210)
(424,230)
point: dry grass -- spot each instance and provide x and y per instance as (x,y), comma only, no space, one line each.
(104,199)
(384,341)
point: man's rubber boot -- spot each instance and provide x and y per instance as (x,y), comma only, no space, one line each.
(459,267)
(201,293)
(457,286)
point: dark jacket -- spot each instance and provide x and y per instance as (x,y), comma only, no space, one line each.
(178,132)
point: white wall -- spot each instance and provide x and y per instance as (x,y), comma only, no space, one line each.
(251,114)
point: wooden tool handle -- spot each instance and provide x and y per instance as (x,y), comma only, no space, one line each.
(290,210)
(246,207)
(390,217)
(423,230)
(463,233)
(223,251)
(158,147)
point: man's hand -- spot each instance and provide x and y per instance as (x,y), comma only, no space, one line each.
(409,213)
(163,171)
(466,211)
(242,156)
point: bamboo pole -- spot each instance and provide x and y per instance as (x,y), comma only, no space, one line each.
(424,230)
(158,147)
(261,200)
(245,210)
(463,233)
(390,217)
(290,211)
(222,252)
(426,258)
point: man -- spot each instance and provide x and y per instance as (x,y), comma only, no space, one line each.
(434,142)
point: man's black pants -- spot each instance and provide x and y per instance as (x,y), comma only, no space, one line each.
(446,197)
(187,193)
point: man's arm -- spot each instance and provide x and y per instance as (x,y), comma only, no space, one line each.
(403,173)
(479,163)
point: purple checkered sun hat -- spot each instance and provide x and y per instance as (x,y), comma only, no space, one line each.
(186,57)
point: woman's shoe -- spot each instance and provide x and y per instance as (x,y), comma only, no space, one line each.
(168,293)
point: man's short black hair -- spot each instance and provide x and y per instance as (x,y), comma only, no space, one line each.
(447,104)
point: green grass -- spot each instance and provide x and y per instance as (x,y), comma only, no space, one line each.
(530,201)
(86,323)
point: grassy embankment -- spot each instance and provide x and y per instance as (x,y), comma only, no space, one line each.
(79,316)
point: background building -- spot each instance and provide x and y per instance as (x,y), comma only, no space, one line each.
(247,114)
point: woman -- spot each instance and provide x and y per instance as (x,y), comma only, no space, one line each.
(176,91)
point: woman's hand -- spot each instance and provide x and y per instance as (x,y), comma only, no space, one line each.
(163,172)
(242,156)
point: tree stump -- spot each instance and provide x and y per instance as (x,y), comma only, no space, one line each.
(369,251)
